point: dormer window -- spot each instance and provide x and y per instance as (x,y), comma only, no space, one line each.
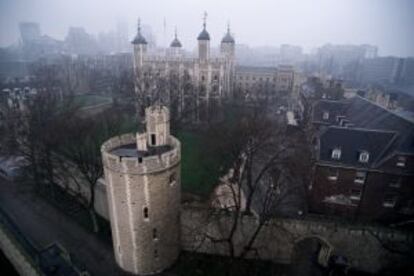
(325,115)
(401,161)
(363,157)
(336,154)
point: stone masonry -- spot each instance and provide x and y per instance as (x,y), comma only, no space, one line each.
(142,175)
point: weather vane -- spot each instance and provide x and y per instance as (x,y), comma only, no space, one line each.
(204,19)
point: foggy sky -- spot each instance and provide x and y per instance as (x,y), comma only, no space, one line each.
(388,24)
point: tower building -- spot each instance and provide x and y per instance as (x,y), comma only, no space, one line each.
(142,173)
(204,42)
(140,47)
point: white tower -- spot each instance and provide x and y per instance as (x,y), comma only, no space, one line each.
(142,174)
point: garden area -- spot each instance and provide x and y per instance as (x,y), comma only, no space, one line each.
(200,170)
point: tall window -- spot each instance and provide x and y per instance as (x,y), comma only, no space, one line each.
(325,115)
(336,153)
(401,161)
(154,234)
(153,139)
(356,194)
(395,182)
(360,177)
(389,201)
(173,179)
(145,212)
(333,174)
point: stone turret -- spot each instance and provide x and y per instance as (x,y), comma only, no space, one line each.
(204,42)
(227,46)
(142,173)
(140,47)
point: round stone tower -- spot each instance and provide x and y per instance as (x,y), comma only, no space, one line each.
(142,173)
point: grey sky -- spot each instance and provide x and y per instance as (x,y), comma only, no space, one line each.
(310,23)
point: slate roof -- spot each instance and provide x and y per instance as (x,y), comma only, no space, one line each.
(351,142)
(176,43)
(227,38)
(375,129)
(139,39)
(130,150)
(334,108)
(204,35)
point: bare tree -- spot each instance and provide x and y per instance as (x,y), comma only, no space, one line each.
(80,149)
(267,176)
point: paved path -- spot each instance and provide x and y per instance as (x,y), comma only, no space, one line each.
(43,224)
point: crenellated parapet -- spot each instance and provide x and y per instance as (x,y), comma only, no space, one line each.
(139,164)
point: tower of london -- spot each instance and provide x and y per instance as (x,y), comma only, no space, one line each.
(211,77)
(142,174)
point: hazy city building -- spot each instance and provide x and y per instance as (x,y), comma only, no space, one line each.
(29,31)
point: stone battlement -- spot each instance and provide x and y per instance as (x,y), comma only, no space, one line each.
(138,165)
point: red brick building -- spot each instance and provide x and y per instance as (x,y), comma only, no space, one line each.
(365,161)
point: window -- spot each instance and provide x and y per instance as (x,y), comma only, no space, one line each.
(395,182)
(363,157)
(389,201)
(145,212)
(155,253)
(139,159)
(333,174)
(202,78)
(401,161)
(325,115)
(153,139)
(360,177)
(173,179)
(336,154)
(154,234)
(356,194)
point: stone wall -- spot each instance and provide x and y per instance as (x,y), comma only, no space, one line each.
(16,255)
(277,239)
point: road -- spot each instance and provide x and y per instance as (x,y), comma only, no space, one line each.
(44,224)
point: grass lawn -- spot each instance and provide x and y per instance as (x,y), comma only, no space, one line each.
(91,100)
(199,170)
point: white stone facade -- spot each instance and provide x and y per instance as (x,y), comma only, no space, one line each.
(143,195)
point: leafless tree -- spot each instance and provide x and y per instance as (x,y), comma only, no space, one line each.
(268,171)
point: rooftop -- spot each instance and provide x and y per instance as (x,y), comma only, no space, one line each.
(130,150)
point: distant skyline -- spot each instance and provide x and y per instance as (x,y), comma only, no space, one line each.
(388,24)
